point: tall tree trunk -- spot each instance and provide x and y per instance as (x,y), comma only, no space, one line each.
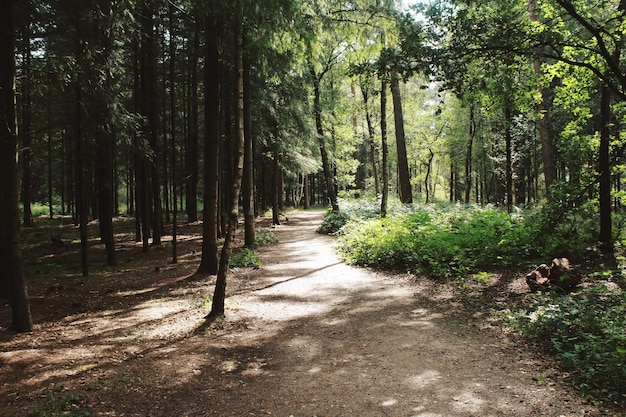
(82,210)
(370,133)
(191,151)
(508,120)
(384,148)
(548,149)
(604,168)
(276,181)
(26,130)
(219,295)
(149,110)
(317,109)
(468,153)
(105,138)
(406,196)
(208,263)
(172,46)
(248,166)
(10,232)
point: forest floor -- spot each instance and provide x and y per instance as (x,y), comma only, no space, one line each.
(305,335)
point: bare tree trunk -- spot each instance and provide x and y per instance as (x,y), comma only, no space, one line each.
(208,263)
(406,196)
(385,149)
(508,119)
(191,151)
(548,149)
(26,131)
(370,132)
(248,167)
(219,295)
(149,110)
(317,108)
(468,153)
(604,168)
(11,255)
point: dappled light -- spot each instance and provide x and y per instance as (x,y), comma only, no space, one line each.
(303,335)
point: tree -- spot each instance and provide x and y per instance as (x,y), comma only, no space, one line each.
(11,251)
(219,295)
(209,261)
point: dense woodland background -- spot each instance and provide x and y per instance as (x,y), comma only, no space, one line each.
(185,110)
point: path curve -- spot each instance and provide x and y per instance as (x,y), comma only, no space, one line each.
(335,340)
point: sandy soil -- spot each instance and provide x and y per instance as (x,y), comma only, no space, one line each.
(304,336)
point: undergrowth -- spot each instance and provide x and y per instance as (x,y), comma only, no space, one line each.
(586,331)
(60,402)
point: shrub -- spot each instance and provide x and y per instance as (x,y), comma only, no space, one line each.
(333,222)
(245,258)
(586,332)
(443,243)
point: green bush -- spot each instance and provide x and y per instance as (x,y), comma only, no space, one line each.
(265,237)
(333,222)
(245,258)
(586,331)
(444,243)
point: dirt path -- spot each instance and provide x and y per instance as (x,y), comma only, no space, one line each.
(309,336)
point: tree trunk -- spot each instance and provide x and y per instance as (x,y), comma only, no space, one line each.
(604,169)
(219,295)
(370,133)
(385,149)
(548,149)
(508,120)
(11,255)
(403,165)
(172,48)
(191,151)
(105,138)
(317,109)
(208,263)
(248,167)
(468,153)
(149,110)
(26,130)
(276,182)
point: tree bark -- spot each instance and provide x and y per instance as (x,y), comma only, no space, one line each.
(406,196)
(219,295)
(208,263)
(317,109)
(370,133)
(604,168)
(385,149)
(11,256)
(149,110)
(548,149)
(26,131)
(468,153)
(248,167)
(508,120)
(191,151)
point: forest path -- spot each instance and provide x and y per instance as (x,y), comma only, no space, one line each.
(321,338)
(305,335)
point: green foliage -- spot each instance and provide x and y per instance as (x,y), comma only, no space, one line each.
(245,258)
(586,331)
(60,403)
(333,222)
(446,242)
(265,237)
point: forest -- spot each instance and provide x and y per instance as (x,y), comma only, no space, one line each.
(446,138)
